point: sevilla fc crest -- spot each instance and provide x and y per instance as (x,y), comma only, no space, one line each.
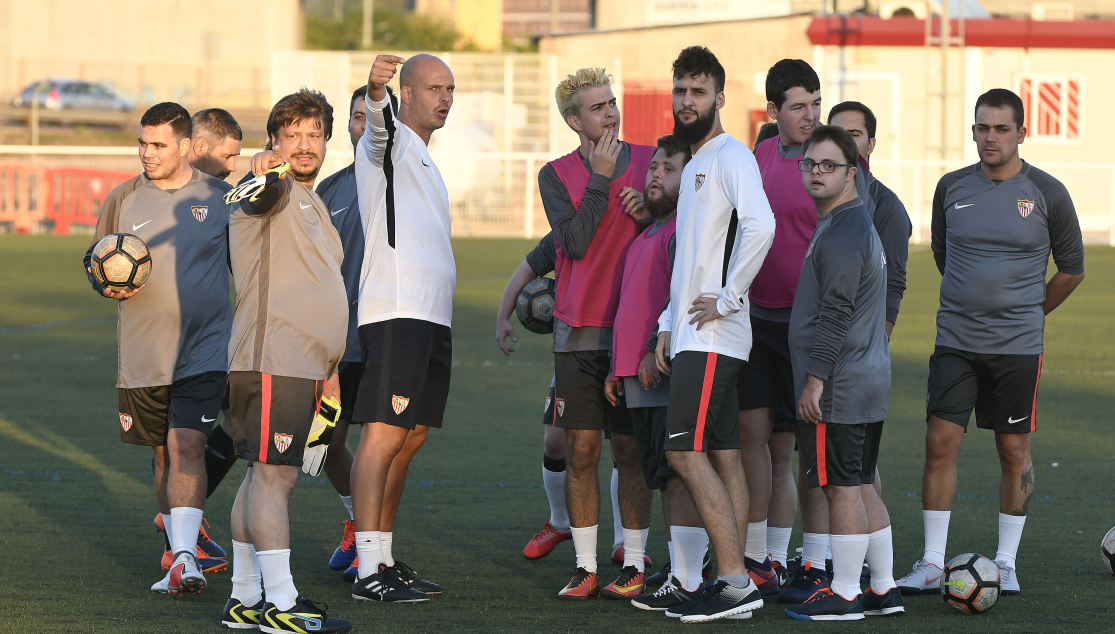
(125,421)
(398,403)
(1025,207)
(697,182)
(282,442)
(559,404)
(200,212)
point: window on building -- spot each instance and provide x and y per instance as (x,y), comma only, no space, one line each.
(1053,107)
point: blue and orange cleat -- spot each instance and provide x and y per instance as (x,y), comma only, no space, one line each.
(346,552)
(764,575)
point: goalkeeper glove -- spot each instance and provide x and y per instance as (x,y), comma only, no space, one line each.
(251,189)
(321,432)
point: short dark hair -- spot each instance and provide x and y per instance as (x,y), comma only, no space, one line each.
(362,93)
(672,146)
(698,61)
(304,104)
(855,106)
(169,113)
(841,137)
(1000,97)
(769,130)
(216,125)
(787,74)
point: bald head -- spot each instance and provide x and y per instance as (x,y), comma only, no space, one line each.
(418,67)
(426,94)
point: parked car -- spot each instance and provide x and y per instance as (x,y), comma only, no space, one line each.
(67,94)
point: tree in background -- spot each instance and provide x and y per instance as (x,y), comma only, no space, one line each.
(394,27)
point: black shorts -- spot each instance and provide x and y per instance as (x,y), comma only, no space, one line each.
(348,374)
(841,455)
(271,416)
(1002,388)
(579,400)
(192,402)
(704,408)
(649,424)
(407,367)
(767,379)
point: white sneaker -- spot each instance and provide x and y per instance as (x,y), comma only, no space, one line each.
(925,578)
(184,577)
(162,587)
(1008,578)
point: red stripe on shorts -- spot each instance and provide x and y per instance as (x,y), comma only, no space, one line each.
(1034,407)
(706,395)
(822,472)
(264,416)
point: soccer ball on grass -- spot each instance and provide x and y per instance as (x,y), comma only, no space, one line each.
(970,584)
(1107,550)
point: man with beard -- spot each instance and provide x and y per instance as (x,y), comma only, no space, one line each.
(216,142)
(724,230)
(288,337)
(589,195)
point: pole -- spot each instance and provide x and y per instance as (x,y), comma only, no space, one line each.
(35,112)
(366,43)
(945,25)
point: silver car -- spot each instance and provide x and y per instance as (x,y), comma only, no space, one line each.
(67,94)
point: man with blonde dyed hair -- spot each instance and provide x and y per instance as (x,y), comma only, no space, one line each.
(593,200)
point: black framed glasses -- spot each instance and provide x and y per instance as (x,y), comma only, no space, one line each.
(827,167)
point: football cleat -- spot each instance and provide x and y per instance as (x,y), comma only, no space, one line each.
(796,566)
(826,605)
(581,586)
(541,544)
(805,586)
(385,586)
(410,578)
(886,604)
(305,617)
(206,545)
(721,601)
(206,564)
(925,578)
(238,616)
(162,587)
(628,585)
(617,556)
(763,574)
(783,574)
(185,577)
(1008,579)
(670,595)
(353,571)
(661,577)
(346,553)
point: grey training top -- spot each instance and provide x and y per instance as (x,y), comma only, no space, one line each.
(543,258)
(837,329)
(893,225)
(575,229)
(338,192)
(178,325)
(991,242)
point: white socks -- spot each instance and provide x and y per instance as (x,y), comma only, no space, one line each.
(554,481)
(584,542)
(687,558)
(245,574)
(880,560)
(634,547)
(1010,533)
(778,543)
(347,501)
(385,538)
(848,552)
(370,552)
(617,521)
(185,522)
(813,549)
(277,582)
(936,536)
(756,546)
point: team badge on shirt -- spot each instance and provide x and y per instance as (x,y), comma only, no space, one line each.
(559,404)
(399,403)
(697,182)
(200,212)
(1025,207)
(125,421)
(282,441)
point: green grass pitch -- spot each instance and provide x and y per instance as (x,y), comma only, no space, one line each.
(78,550)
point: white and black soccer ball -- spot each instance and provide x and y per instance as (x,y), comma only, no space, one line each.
(1107,550)
(970,584)
(121,262)
(535,305)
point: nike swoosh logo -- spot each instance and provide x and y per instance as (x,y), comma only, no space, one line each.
(680,433)
(207,420)
(136,227)
(959,206)
(334,213)
(1011,421)
(304,206)
(932,581)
